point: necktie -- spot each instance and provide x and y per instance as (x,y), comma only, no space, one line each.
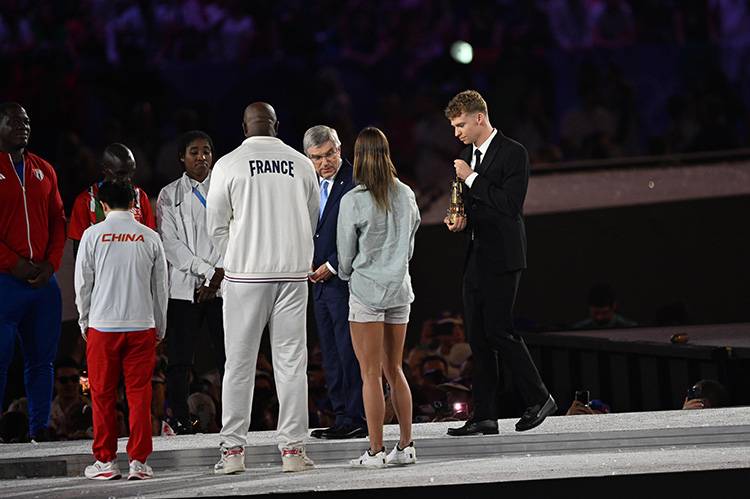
(323,196)
(478,156)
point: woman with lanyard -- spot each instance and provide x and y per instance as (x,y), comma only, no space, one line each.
(195,271)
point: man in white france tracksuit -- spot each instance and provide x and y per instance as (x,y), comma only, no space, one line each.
(261,213)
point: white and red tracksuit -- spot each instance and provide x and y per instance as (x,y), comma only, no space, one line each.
(121,295)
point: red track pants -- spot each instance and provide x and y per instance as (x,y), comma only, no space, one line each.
(109,355)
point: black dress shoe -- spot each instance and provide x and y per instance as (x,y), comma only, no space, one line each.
(534,415)
(187,426)
(342,432)
(483,427)
(318,433)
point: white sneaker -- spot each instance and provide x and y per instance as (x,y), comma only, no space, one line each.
(103,471)
(232,461)
(140,471)
(295,459)
(368,460)
(407,455)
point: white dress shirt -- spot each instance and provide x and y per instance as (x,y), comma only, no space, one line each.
(483,149)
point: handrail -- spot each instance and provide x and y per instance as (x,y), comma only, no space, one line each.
(641,161)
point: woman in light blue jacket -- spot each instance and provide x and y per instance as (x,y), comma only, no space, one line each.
(378,220)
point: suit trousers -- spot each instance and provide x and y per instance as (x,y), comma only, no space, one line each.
(190,326)
(248,308)
(343,378)
(109,355)
(489,298)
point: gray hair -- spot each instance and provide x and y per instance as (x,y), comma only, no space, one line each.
(319,135)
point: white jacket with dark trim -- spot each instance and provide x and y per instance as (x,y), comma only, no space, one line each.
(121,276)
(262,209)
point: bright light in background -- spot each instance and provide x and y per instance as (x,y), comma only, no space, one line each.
(462,52)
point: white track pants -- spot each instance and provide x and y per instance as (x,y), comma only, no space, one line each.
(248,307)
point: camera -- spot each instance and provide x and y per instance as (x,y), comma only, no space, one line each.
(693,392)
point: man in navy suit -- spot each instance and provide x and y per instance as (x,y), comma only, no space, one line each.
(331,294)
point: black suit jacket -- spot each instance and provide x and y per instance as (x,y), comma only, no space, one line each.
(325,232)
(494,206)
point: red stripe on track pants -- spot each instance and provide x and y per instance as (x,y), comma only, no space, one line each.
(109,355)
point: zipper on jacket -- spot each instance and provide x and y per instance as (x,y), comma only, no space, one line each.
(25,204)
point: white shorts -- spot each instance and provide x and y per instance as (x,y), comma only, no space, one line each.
(359,312)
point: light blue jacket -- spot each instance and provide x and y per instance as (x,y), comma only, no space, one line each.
(375,246)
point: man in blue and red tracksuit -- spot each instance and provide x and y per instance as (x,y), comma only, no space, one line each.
(32,237)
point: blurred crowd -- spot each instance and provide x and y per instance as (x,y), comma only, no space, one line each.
(570,79)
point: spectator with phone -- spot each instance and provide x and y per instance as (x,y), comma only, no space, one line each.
(706,394)
(582,404)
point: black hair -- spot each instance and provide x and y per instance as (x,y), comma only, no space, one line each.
(66,362)
(118,195)
(601,295)
(186,138)
(712,391)
(7,106)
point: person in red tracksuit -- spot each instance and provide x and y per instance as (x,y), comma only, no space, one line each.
(118,165)
(121,294)
(32,237)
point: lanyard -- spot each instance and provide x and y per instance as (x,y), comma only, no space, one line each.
(199,196)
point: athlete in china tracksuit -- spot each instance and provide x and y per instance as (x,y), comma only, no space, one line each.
(121,293)
(261,213)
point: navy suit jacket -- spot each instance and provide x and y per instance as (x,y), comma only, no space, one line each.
(325,232)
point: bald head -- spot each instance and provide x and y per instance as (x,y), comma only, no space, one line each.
(260,119)
(118,163)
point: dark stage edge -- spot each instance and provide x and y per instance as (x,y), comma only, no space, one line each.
(604,454)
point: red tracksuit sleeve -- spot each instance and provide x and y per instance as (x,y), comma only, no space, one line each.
(79,217)
(146,212)
(56,242)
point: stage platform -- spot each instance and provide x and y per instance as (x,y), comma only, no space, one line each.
(682,450)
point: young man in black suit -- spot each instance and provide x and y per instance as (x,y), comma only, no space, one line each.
(331,294)
(495,170)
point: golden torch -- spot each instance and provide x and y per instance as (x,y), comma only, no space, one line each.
(456,207)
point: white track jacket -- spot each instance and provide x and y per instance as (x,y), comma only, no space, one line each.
(121,277)
(262,209)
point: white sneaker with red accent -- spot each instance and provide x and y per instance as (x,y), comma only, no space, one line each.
(232,461)
(102,471)
(295,458)
(140,471)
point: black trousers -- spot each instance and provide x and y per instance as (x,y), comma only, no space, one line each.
(190,326)
(489,298)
